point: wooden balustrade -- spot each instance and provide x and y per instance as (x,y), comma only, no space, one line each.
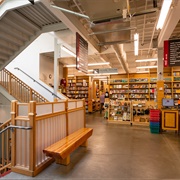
(5,148)
(18,89)
(50,122)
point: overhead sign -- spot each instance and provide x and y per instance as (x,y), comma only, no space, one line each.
(172,53)
(105,71)
(81,54)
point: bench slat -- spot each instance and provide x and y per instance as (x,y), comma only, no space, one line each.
(65,146)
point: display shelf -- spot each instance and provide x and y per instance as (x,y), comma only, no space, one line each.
(119,111)
(141,112)
(78,88)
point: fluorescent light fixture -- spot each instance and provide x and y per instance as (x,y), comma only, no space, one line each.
(70,65)
(90,64)
(142,72)
(100,74)
(100,77)
(146,60)
(163,14)
(146,67)
(136,44)
(68,51)
(98,64)
(71,75)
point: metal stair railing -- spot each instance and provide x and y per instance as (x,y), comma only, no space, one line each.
(55,95)
(5,138)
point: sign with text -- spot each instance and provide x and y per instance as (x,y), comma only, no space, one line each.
(166,53)
(105,71)
(81,54)
(172,53)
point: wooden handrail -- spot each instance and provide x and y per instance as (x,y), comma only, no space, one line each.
(18,89)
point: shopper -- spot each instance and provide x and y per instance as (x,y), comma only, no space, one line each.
(102,99)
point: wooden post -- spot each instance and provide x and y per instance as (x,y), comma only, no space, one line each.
(30,94)
(65,75)
(84,105)
(10,84)
(160,93)
(67,126)
(32,123)
(13,122)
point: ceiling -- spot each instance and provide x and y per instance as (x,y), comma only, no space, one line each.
(109,27)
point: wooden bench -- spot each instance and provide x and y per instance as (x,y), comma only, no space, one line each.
(61,150)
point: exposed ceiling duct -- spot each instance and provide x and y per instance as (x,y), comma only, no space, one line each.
(121,56)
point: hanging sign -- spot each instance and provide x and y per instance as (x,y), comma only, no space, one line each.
(81,54)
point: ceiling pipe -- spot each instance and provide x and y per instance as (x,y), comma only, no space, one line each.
(111,31)
(144,24)
(71,12)
(115,42)
(143,12)
(118,49)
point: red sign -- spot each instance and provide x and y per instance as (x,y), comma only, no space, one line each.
(166,53)
(81,54)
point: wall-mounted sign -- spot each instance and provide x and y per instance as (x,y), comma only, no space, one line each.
(81,54)
(105,71)
(172,53)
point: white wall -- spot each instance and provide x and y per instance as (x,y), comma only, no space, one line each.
(47,70)
(29,62)
(5,109)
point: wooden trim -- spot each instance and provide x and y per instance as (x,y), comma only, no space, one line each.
(22,171)
(67,119)
(13,115)
(42,117)
(84,105)
(74,110)
(43,166)
(32,155)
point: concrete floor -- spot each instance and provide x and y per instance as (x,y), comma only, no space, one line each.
(119,152)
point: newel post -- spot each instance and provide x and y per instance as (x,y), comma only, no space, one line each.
(67,124)
(13,122)
(32,123)
(84,105)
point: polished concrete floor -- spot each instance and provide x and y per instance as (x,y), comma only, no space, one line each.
(119,152)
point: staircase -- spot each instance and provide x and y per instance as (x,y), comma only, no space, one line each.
(20,26)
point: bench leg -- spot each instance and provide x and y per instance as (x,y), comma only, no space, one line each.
(65,161)
(85,144)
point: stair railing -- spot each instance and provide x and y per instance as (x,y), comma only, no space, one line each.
(5,139)
(55,95)
(18,89)
(5,148)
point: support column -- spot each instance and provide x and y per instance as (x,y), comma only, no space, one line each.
(56,66)
(65,76)
(160,80)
